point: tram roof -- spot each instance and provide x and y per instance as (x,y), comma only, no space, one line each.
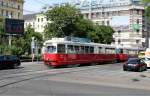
(62,41)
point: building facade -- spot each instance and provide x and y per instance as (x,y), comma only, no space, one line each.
(37,21)
(11,9)
(126,17)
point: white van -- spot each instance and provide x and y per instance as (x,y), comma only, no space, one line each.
(147,57)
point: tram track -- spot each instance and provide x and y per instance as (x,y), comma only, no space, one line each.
(22,77)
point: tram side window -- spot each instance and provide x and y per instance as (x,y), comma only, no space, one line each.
(132,52)
(121,50)
(110,51)
(51,49)
(61,48)
(118,50)
(86,49)
(91,49)
(76,49)
(113,50)
(70,49)
(125,51)
(82,49)
(100,50)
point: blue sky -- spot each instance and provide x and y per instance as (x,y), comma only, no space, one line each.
(32,6)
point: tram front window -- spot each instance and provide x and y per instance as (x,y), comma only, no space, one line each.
(51,49)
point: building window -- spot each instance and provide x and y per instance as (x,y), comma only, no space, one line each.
(107,13)
(108,23)
(86,15)
(11,14)
(2,12)
(38,19)
(103,14)
(46,19)
(18,7)
(97,15)
(138,12)
(41,19)
(6,13)
(103,22)
(137,41)
(2,3)
(119,31)
(137,21)
(119,41)
(18,15)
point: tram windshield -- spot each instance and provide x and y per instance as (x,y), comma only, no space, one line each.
(51,49)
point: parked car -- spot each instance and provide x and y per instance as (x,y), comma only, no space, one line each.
(135,64)
(147,61)
(9,61)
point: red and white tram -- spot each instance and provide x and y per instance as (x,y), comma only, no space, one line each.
(59,51)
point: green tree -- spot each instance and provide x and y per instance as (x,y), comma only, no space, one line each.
(62,20)
(22,45)
(101,34)
(68,21)
(82,28)
(29,33)
(147,8)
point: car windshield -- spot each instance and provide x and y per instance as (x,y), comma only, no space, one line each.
(133,61)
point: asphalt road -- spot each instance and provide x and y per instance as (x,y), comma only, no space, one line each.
(35,79)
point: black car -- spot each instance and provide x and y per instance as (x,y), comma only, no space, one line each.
(135,64)
(9,61)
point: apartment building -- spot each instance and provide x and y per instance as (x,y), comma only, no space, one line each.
(11,9)
(126,17)
(37,21)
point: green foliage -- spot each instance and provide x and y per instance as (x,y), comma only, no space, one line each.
(29,33)
(147,12)
(21,44)
(147,8)
(83,27)
(145,1)
(62,20)
(101,34)
(68,21)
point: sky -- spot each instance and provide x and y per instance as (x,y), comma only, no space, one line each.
(33,6)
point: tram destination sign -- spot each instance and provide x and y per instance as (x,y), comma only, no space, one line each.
(14,26)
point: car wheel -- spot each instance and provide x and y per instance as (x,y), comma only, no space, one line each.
(15,66)
(140,69)
(145,69)
(124,69)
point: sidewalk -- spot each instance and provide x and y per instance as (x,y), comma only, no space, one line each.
(31,63)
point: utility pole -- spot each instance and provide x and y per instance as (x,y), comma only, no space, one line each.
(10,39)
